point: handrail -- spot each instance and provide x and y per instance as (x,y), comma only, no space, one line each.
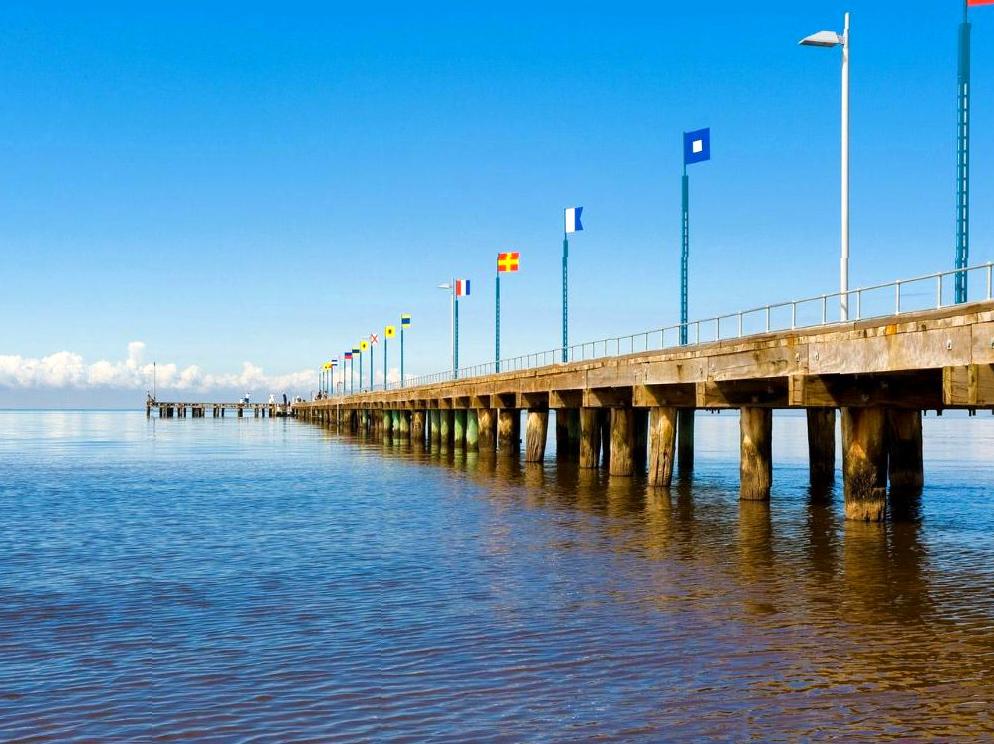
(712,328)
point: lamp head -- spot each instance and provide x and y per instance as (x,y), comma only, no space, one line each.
(822,39)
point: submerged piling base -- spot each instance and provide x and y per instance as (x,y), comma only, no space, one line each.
(756,453)
(864,436)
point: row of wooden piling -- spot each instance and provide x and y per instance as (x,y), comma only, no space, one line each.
(199,410)
(879,444)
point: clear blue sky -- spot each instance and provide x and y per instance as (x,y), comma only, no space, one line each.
(268,182)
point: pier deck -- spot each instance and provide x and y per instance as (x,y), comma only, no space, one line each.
(634,412)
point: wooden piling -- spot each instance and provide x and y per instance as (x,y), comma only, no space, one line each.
(622,442)
(536,433)
(640,439)
(562,435)
(904,443)
(418,426)
(864,463)
(662,445)
(445,428)
(472,430)
(685,441)
(508,431)
(821,445)
(487,422)
(459,427)
(435,424)
(756,453)
(573,433)
(604,417)
(590,437)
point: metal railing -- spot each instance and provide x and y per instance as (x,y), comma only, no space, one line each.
(879,300)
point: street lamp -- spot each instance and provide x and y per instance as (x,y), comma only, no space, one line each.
(833,39)
(451,288)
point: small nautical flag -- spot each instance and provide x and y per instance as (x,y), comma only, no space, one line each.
(348,356)
(373,338)
(327,365)
(334,363)
(974,3)
(405,321)
(573,223)
(507,262)
(462,287)
(363,346)
(389,332)
(696,146)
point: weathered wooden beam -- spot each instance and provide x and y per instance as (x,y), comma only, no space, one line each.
(662,445)
(864,461)
(766,392)
(821,445)
(590,437)
(487,418)
(535,400)
(508,431)
(685,440)
(665,396)
(607,397)
(970,385)
(536,434)
(904,442)
(756,453)
(922,389)
(622,442)
(472,430)
(565,399)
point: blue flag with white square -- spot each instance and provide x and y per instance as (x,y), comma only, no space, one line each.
(696,146)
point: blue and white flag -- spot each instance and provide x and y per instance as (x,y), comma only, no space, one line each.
(696,146)
(573,223)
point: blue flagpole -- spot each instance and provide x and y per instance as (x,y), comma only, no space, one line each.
(384,360)
(684,255)
(963,157)
(497,329)
(402,353)
(455,338)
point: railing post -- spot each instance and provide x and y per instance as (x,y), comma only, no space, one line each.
(824,309)
(938,291)
(990,270)
(793,315)
(897,297)
(740,324)
(769,313)
(859,304)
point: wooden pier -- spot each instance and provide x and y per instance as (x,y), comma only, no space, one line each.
(634,413)
(199,410)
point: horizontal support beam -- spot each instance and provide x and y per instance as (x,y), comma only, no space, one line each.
(913,390)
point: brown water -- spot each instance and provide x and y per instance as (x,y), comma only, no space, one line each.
(261,580)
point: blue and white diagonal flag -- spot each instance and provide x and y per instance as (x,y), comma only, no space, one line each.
(696,146)
(573,223)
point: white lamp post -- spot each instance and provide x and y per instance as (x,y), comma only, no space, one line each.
(833,39)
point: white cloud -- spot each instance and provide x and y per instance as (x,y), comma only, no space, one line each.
(66,370)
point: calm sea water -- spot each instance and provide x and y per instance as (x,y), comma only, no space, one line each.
(267,580)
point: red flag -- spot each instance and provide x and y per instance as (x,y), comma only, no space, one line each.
(974,3)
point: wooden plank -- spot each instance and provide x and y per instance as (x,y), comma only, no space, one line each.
(932,349)
(533,401)
(969,385)
(919,390)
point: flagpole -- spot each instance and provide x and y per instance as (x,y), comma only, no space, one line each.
(684,254)
(455,337)
(372,363)
(452,323)
(384,360)
(497,329)
(402,352)
(963,157)
(360,371)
